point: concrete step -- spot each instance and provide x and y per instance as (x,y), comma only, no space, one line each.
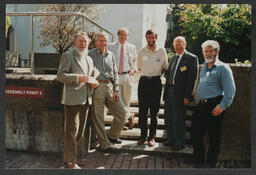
(160,122)
(159,149)
(135,110)
(134,134)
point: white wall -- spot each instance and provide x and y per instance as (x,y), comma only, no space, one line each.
(136,17)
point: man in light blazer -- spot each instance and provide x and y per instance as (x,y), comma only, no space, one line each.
(178,93)
(126,62)
(76,71)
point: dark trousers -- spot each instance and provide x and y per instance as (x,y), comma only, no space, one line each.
(149,95)
(174,117)
(205,123)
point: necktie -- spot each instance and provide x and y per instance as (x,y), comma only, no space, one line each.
(171,82)
(121,62)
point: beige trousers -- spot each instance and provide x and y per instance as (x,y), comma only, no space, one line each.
(103,95)
(74,126)
(125,92)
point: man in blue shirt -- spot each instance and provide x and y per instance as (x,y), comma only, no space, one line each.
(215,92)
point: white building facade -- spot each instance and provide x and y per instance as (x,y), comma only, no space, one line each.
(138,18)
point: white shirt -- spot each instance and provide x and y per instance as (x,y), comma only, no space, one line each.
(151,62)
(178,62)
(126,66)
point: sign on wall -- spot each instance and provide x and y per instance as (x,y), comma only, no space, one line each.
(24,92)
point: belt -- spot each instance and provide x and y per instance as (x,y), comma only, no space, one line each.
(211,100)
(103,81)
(124,72)
(154,77)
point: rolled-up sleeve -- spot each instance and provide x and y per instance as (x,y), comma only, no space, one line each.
(165,63)
(139,60)
(228,85)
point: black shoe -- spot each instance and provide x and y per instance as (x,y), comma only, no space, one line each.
(203,166)
(115,141)
(112,150)
(167,143)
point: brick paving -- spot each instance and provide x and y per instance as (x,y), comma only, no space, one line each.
(95,160)
(99,160)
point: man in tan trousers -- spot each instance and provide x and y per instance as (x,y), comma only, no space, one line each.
(76,71)
(106,94)
(126,62)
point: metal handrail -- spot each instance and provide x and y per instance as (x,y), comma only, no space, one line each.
(32,14)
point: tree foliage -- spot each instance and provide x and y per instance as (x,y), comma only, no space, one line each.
(59,31)
(229,24)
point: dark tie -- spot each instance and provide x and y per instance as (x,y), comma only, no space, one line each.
(173,70)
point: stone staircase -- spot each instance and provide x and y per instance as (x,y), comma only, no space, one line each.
(129,138)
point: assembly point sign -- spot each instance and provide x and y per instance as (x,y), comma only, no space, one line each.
(24,92)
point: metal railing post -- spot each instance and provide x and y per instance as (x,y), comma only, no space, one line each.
(31,46)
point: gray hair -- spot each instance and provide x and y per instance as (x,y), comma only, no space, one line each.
(181,38)
(211,43)
(81,33)
(101,34)
(123,29)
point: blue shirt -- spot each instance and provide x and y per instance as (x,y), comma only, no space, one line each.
(218,80)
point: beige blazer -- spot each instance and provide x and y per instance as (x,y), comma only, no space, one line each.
(71,66)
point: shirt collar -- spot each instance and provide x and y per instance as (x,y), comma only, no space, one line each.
(156,49)
(181,55)
(119,44)
(99,52)
(216,63)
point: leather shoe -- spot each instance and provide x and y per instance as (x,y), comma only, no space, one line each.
(72,166)
(125,128)
(151,142)
(112,150)
(81,163)
(177,147)
(168,143)
(141,141)
(204,165)
(131,121)
(114,141)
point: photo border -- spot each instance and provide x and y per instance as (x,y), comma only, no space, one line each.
(130,171)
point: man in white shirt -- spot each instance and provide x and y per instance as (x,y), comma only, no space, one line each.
(152,63)
(126,58)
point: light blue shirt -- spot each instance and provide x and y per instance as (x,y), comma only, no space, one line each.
(218,80)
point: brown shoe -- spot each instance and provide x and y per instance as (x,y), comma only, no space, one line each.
(131,121)
(125,128)
(141,141)
(151,142)
(177,147)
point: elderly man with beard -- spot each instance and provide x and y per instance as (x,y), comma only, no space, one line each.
(77,72)
(215,91)
(152,63)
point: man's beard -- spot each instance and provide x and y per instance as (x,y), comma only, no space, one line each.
(83,52)
(210,60)
(151,44)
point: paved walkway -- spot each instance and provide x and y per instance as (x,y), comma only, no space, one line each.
(99,160)
(95,160)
